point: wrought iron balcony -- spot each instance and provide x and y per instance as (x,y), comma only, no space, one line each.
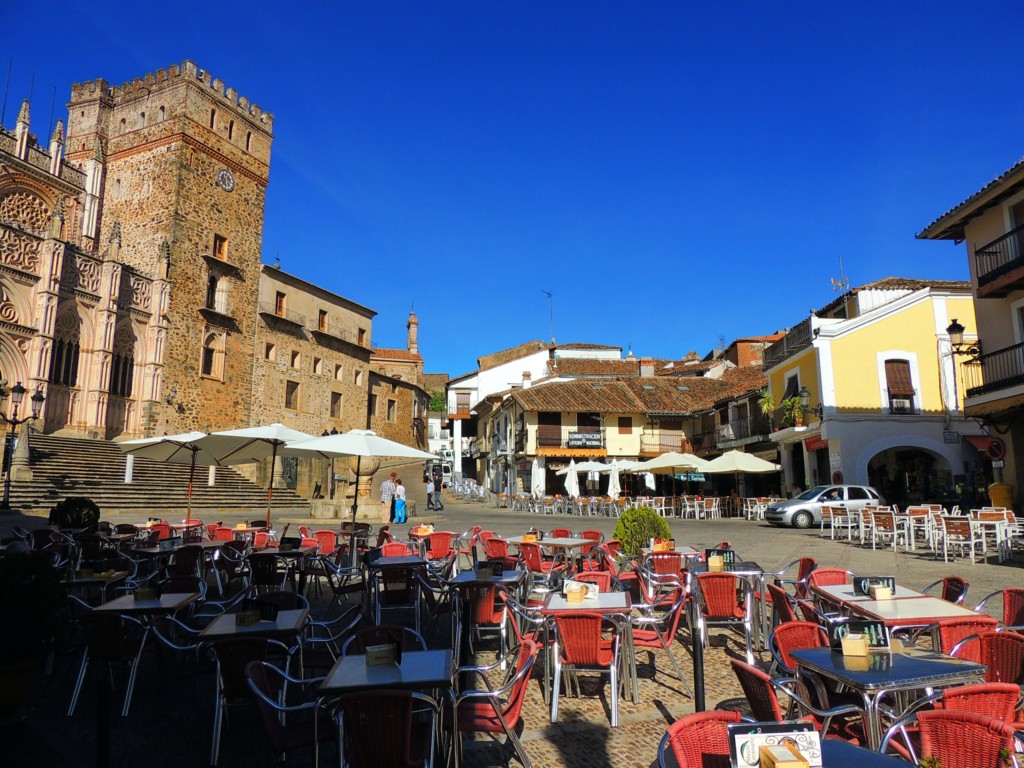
(270,309)
(1000,264)
(796,340)
(656,443)
(743,429)
(1001,369)
(556,436)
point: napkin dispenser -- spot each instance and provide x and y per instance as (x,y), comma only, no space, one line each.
(247,618)
(716,564)
(663,545)
(485,572)
(880,592)
(530,537)
(145,594)
(575,595)
(380,655)
(84,573)
(855,645)
(782,756)
(240,527)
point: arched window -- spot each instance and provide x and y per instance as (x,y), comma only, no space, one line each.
(213,118)
(231,129)
(64,360)
(124,125)
(122,368)
(142,120)
(212,364)
(163,114)
(211,292)
(248,140)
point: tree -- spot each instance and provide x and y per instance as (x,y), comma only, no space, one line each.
(437,401)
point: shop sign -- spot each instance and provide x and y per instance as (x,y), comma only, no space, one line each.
(815,443)
(583,440)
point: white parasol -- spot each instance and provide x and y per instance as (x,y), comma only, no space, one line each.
(613,480)
(572,481)
(537,480)
(176,449)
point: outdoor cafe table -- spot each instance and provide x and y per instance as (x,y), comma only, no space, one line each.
(558,543)
(287,626)
(170,602)
(96,580)
(293,556)
(843,594)
(836,753)
(908,611)
(688,553)
(616,604)
(896,672)
(419,671)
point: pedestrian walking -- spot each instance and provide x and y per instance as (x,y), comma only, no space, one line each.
(387,497)
(399,502)
(430,494)
(437,493)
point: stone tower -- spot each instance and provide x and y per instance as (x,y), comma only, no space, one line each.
(176,169)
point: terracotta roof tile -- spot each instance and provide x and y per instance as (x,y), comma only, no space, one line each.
(950,225)
(508,355)
(583,366)
(395,354)
(897,284)
(580,395)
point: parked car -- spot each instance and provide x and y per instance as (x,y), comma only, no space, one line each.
(437,467)
(804,510)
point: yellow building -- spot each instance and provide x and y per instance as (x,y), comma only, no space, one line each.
(991,222)
(865,393)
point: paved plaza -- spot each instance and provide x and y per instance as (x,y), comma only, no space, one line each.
(170,722)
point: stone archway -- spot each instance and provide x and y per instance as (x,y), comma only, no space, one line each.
(908,469)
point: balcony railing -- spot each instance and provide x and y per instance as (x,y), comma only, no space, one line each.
(741,429)
(999,370)
(271,309)
(1001,256)
(460,412)
(703,442)
(798,338)
(333,329)
(657,443)
(556,436)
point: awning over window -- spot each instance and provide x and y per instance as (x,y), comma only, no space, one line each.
(791,388)
(897,378)
(981,442)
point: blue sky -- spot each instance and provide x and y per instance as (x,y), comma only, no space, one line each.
(675,174)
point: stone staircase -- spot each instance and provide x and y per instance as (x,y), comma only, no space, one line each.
(64,466)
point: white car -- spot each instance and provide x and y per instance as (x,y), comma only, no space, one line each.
(804,510)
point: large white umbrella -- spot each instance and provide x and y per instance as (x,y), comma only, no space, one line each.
(536,480)
(252,444)
(738,461)
(176,449)
(613,480)
(672,462)
(572,481)
(358,443)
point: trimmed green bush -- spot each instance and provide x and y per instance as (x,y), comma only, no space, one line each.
(636,528)
(75,512)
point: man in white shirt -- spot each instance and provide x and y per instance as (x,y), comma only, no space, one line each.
(430,494)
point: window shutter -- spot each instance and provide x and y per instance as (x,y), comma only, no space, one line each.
(897,378)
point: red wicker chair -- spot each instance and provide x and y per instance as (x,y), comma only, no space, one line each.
(700,740)
(954,589)
(759,688)
(1013,606)
(603,579)
(793,636)
(804,567)
(1001,652)
(958,739)
(479,710)
(998,700)
(670,563)
(439,545)
(328,541)
(395,549)
(223,534)
(387,728)
(484,611)
(560,533)
(539,567)
(719,602)
(589,642)
(288,726)
(657,632)
(946,633)
(828,577)
(494,546)
(782,604)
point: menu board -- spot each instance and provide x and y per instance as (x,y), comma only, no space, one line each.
(746,739)
(862,584)
(875,631)
(728,555)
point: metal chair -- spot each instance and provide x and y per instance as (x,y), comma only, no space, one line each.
(1001,652)
(954,589)
(387,729)
(294,725)
(110,639)
(1013,606)
(719,603)
(589,642)
(957,739)
(700,740)
(496,710)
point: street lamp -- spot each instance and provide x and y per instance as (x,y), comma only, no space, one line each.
(17,394)
(326,433)
(805,402)
(956,339)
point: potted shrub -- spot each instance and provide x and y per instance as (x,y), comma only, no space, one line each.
(792,412)
(75,512)
(636,527)
(766,402)
(30,598)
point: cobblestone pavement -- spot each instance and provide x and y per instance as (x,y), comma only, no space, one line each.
(170,722)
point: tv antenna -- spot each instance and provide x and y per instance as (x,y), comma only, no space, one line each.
(551,312)
(842,282)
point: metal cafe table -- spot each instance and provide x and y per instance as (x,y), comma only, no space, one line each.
(557,543)
(286,627)
(910,611)
(883,672)
(169,602)
(837,753)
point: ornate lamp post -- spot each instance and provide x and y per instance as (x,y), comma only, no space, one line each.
(17,394)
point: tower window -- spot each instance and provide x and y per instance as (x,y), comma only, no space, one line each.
(279,304)
(338,371)
(212,363)
(269,352)
(335,405)
(231,129)
(359,378)
(296,359)
(142,120)
(392,409)
(291,395)
(362,337)
(213,118)
(163,114)
(64,363)
(220,247)
(248,140)
(318,365)
(124,125)
(322,320)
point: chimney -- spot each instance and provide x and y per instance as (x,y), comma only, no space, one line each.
(646,367)
(413,328)
(527,378)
